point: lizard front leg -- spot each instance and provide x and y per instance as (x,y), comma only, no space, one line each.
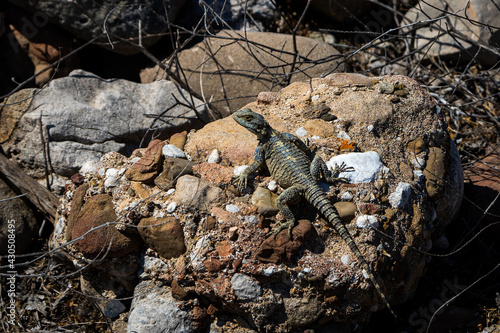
(242,179)
(289,195)
(319,168)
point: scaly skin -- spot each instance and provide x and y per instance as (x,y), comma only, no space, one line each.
(287,161)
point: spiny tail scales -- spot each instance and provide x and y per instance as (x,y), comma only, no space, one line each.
(316,197)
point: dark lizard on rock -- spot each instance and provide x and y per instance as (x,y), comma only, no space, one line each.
(286,158)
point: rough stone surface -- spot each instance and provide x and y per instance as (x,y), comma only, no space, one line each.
(154,310)
(214,173)
(72,110)
(96,211)
(245,287)
(238,66)
(163,235)
(17,222)
(463,41)
(86,18)
(197,193)
(147,168)
(173,168)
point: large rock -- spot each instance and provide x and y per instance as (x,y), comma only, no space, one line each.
(154,310)
(462,36)
(88,19)
(18,224)
(97,238)
(231,68)
(84,116)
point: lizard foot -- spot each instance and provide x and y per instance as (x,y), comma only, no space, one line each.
(289,224)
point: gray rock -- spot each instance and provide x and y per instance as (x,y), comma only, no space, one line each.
(245,287)
(84,116)
(154,310)
(236,74)
(459,36)
(86,19)
(197,193)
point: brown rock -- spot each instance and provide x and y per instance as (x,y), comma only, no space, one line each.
(77,179)
(347,210)
(213,264)
(265,201)
(177,291)
(209,223)
(146,169)
(281,248)
(178,140)
(173,168)
(216,174)
(76,206)
(224,249)
(164,235)
(434,172)
(108,241)
(238,66)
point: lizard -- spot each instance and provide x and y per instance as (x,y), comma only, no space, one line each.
(287,160)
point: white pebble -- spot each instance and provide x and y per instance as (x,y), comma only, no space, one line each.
(251,219)
(301,132)
(171,191)
(214,157)
(366,166)
(346,196)
(232,208)
(367,221)
(400,196)
(239,169)
(343,135)
(89,167)
(315,137)
(418,163)
(419,175)
(269,271)
(307,270)
(172,151)
(171,207)
(345,259)
(111,177)
(272,186)
(370,128)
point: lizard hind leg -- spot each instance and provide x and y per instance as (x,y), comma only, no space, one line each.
(289,195)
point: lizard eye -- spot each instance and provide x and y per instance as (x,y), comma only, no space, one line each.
(248,118)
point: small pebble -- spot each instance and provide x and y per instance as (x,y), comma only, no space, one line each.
(272,186)
(419,175)
(346,196)
(269,271)
(135,160)
(232,208)
(367,221)
(315,137)
(343,135)
(345,259)
(214,157)
(251,219)
(171,207)
(366,166)
(400,196)
(89,167)
(111,176)
(301,132)
(370,128)
(171,191)
(239,169)
(172,151)
(307,270)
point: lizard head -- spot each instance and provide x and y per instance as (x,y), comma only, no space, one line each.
(252,121)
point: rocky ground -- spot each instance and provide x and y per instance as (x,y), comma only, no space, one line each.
(123,113)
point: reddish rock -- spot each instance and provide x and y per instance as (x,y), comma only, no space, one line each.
(369,208)
(147,168)
(281,248)
(108,241)
(77,179)
(216,174)
(213,264)
(164,235)
(76,207)
(224,249)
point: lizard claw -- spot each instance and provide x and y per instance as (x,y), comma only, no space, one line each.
(289,224)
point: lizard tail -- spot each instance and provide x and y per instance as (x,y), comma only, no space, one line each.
(320,201)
